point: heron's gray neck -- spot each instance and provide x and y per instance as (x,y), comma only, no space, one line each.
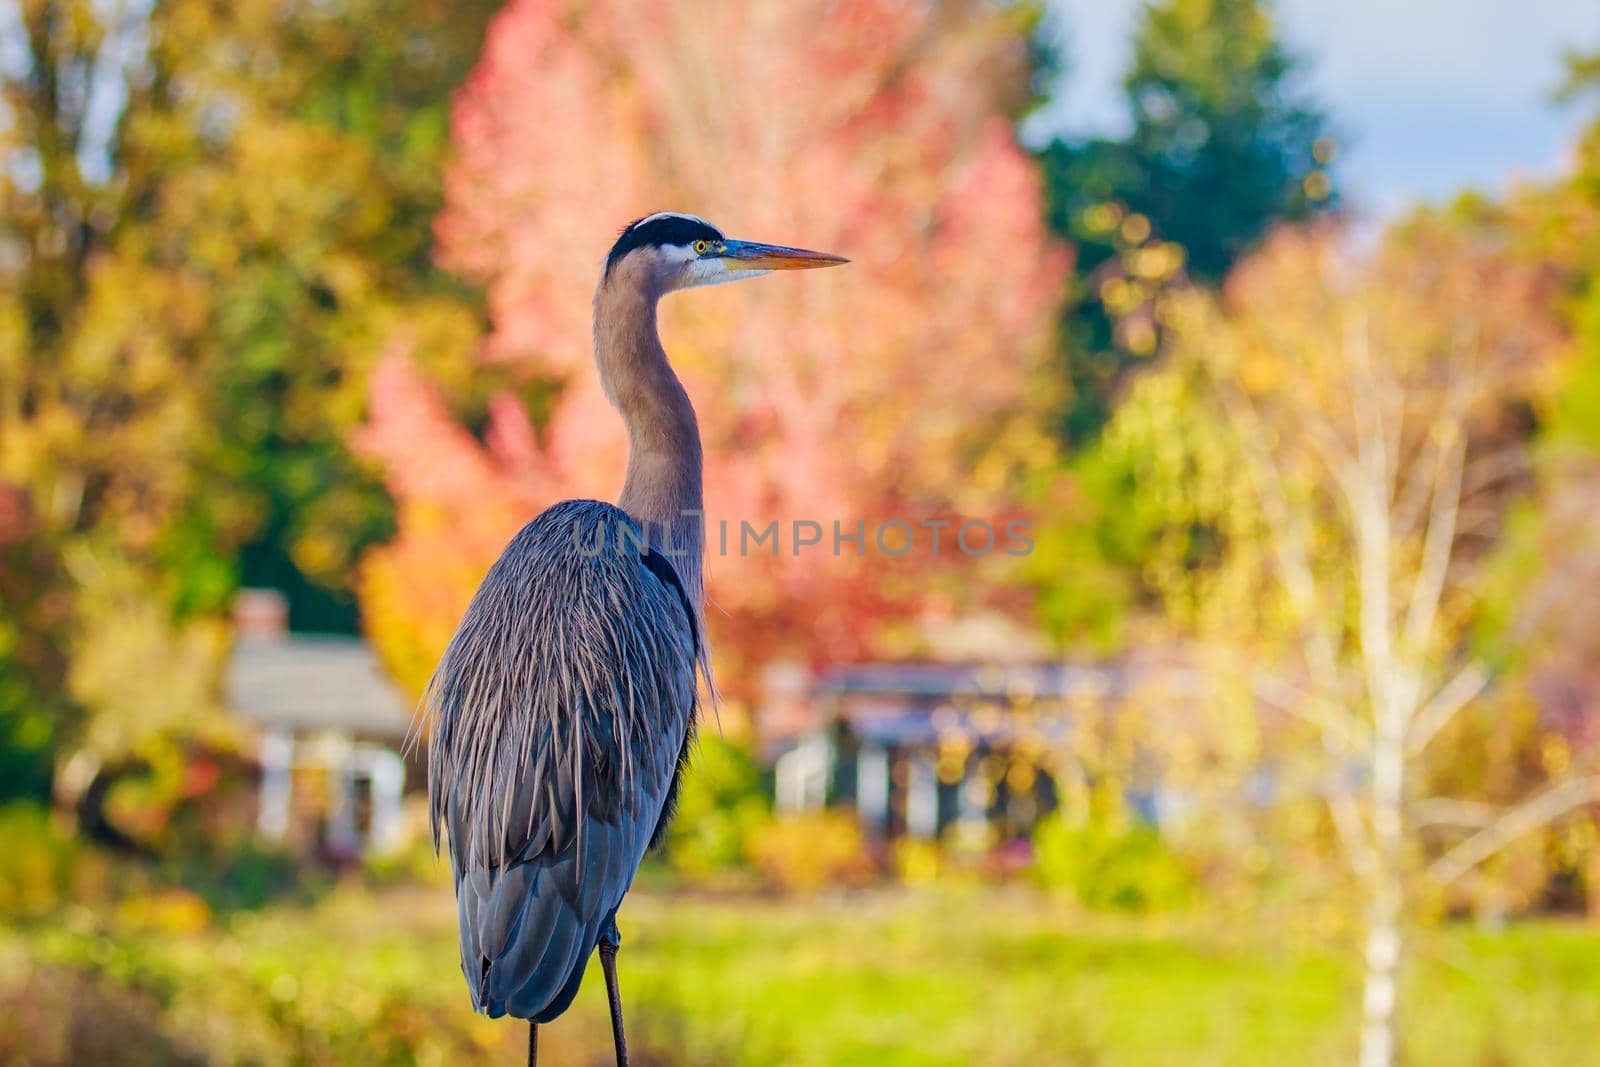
(662,489)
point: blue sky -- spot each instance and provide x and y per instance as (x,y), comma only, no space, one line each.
(1432,95)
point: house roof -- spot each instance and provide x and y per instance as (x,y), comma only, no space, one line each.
(315,682)
(916,703)
(925,724)
(1006,682)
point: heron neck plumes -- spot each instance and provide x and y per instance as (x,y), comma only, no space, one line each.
(662,489)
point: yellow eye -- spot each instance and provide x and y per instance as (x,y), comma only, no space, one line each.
(700,248)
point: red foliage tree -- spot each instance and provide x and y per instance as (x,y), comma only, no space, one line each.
(874,128)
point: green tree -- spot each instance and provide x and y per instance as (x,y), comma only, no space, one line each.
(212,219)
(1224,144)
(330,190)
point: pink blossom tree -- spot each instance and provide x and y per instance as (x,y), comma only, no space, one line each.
(890,389)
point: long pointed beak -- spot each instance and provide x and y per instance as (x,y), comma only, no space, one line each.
(748,255)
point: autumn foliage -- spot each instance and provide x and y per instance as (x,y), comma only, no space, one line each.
(875,129)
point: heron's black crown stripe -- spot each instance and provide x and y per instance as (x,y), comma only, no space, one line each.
(660,230)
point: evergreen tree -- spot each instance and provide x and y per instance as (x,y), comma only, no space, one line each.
(1223,145)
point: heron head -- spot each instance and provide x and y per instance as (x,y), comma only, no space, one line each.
(676,251)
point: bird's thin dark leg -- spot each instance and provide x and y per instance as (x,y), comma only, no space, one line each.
(610,941)
(533,1044)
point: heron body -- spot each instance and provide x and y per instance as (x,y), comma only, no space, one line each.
(563,708)
(575,676)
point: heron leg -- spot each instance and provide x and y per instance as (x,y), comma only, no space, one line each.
(533,1044)
(610,941)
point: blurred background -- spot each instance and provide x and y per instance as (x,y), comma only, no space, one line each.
(1279,323)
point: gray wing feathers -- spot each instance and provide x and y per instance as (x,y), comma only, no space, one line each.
(558,713)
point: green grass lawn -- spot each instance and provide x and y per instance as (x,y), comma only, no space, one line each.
(945,978)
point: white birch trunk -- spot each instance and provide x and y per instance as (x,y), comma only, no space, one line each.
(1380,998)
(1380,1001)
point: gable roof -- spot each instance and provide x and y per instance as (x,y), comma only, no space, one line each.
(308,682)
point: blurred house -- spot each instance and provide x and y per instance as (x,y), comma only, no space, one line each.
(919,749)
(332,730)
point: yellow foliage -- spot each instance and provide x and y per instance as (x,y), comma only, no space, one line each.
(803,853)
(917,862)
(170,911)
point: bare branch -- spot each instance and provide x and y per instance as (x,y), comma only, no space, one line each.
(1541,810)
(1492,469)
(1318,711)
(1325,442)
(1354,834)
(1377,440)
(1413,497)
(1439,541)
(1454,695)
(1449,811)
(1375,616)
(1554,591)
(1288,540)
(1479,522)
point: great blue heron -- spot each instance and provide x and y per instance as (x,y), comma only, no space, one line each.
(564,705)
